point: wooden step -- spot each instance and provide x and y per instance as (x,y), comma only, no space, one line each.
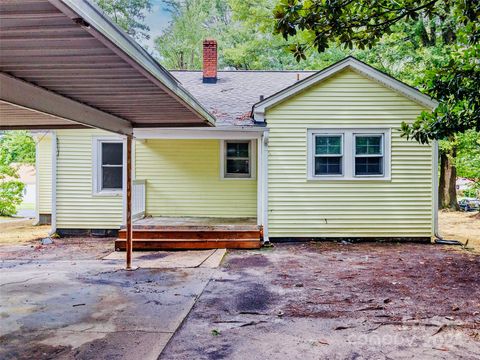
(193,234)
(188,244)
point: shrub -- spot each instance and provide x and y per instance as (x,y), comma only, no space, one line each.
(11,195)
(11,191)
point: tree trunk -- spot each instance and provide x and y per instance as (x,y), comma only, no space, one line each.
(448,178)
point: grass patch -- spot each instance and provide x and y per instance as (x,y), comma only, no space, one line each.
(26,206)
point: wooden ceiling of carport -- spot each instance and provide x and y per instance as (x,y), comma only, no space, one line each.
(43,46)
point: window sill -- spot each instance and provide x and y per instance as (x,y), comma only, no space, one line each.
(343,178)
(112,193)
(238,178)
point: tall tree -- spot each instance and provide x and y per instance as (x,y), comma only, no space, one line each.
(129,15)
(455,82)
(180,45)
(244,30)
(17,147)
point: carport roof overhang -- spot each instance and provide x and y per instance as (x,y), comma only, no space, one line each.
(63,63)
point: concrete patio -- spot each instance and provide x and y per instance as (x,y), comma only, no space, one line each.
(92,308)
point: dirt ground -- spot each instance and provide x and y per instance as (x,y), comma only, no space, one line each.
(21,231)
(62,249)
(461,226)
(334,301)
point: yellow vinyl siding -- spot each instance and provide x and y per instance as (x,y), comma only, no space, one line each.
(183,179)
(400,207)
(44,173)
(77,207)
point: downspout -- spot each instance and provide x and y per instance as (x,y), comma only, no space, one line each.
(37,182)
(53,229)
(435,191)
(266,239)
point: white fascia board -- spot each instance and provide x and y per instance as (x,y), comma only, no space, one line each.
(230,133)
(104,30)
(355,65)
(24,94)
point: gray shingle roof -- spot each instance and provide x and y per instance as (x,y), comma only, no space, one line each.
(231,99)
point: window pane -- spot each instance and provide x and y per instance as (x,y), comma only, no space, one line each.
(369,166)
(112,177)
(112,153)
(238,166)
(328,145)
(237,149)
(328,165)
(368,145)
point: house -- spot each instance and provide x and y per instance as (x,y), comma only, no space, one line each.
(293,155)
(462,184)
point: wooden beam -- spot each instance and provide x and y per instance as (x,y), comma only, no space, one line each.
(128,213)
(22,93)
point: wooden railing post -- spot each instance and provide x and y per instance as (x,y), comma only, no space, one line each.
(129,205)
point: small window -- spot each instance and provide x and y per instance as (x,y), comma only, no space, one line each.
(108,168)
(238,161)
(112,166)
(328,155)
(369,155)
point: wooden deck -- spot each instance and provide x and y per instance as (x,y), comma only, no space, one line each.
(165,233)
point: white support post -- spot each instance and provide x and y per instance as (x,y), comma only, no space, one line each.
(259,181)
(266,239)
(53,229)
(37,181)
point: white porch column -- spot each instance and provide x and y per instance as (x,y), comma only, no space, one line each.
(264,185)
(53,219)
(260,181)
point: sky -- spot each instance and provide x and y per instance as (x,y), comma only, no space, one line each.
(157,20)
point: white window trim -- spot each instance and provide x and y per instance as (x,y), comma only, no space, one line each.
(96,173)
(253,159)
(348,160)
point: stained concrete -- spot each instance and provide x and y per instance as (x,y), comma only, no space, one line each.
(85,309)
(171,259)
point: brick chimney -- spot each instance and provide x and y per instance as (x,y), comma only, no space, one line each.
(210,61)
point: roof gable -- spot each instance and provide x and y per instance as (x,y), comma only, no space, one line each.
(347,63)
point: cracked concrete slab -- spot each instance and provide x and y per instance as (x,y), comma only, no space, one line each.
(171,259)
(80,309)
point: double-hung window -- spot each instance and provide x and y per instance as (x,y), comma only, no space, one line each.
(328,155)
(369,155)
(108,166)
(348,154)
(238,159)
